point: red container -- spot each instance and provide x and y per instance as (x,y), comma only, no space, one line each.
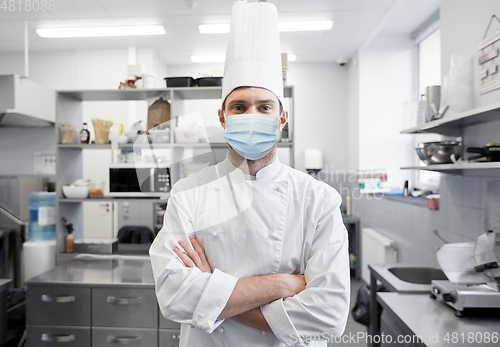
(433,202)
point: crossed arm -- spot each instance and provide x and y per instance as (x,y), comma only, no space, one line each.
(249,293)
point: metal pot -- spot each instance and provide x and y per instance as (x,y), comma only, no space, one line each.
(439,152)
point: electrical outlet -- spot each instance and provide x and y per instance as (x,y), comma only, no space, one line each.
(45,163)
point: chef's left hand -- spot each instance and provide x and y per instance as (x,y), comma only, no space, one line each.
(194,256)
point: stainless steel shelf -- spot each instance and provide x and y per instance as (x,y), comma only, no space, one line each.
(157,145)
(456,168)
(192,93)
(143,94)
(186,93)
(450,125)
(113,94)
(109,198)
(85,146)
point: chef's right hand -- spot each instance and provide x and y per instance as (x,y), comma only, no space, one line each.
(194,256)
(294,284)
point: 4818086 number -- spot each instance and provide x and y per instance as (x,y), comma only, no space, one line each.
(27,5)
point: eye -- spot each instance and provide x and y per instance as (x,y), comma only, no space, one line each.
(266,108)
(238,108)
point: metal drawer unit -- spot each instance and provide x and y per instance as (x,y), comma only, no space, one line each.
(105,337)
(170,332)
(168,324)
(169,338)
(124,307)
(51,336)
(97,303)
(58,305)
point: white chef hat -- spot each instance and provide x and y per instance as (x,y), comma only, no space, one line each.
(253,57)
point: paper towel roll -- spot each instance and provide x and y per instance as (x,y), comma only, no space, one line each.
(313,159)
(38,257)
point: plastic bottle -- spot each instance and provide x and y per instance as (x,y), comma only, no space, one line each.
(42,224)
(85,134)
(348,211)
(422,111)
(70,239)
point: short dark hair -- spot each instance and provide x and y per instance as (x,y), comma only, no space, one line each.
(224,102)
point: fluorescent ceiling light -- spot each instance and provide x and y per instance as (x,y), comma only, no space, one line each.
(101,31)
(283,26)
(306,26)
(291,57)
(213,58)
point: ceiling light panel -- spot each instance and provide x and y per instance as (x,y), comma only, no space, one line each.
(101,31)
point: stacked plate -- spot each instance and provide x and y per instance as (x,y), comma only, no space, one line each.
(192,167)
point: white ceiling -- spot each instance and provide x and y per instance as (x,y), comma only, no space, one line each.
(354,22)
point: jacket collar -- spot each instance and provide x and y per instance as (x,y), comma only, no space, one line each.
(267,173)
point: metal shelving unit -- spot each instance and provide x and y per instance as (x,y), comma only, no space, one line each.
(451,125)
(69,157)
(454,126)
(184,93)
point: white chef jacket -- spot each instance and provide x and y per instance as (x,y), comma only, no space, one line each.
(282,221)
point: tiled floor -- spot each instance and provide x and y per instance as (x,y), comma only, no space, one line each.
(353,327)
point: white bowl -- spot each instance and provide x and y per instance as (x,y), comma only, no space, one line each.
(75,192)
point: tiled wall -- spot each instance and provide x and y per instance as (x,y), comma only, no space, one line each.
(460,218)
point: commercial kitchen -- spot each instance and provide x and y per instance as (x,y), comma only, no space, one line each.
(107,107)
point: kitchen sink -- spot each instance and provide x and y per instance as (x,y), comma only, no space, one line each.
(407,278)
(417,275)
(399,278)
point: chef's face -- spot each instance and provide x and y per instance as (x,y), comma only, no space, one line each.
(252,100)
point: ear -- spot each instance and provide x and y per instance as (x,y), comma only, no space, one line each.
(283,119)
(222,119)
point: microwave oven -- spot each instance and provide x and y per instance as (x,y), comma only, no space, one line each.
(139,180)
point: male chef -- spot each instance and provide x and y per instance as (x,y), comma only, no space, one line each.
(253,252)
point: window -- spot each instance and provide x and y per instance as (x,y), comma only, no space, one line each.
(428,74)
(429,61)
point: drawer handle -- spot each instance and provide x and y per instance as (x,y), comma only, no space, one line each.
(57,338)
(124,301)
(176,337)
(58,299)
(125,340)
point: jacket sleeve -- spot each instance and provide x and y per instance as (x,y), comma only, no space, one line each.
(322,308)
(186,295)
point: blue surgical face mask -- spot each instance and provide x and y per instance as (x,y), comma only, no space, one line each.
(252,136)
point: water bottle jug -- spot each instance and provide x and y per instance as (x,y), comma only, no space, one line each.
(42,224)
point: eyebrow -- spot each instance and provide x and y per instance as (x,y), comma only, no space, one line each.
(266,101)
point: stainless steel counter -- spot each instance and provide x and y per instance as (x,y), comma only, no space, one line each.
(88,302)
(434,322)
(95,273)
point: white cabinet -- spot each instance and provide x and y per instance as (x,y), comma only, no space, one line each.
(70,157)
(98,219)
